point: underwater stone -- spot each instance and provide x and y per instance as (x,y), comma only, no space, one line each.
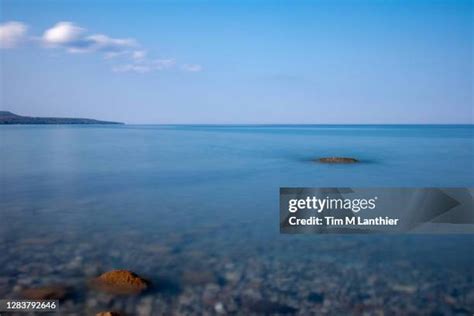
(120,282)
(337,160)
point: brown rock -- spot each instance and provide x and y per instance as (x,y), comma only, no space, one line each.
(108,314)
(337,160)
(51,292)
(120,282)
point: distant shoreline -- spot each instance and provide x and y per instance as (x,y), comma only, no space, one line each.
(9,118)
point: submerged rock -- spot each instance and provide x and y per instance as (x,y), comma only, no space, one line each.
(51,292)
(316,297)
(108,314)
(120,282)
(337,160)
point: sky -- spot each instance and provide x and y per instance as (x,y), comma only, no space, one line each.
(239,62)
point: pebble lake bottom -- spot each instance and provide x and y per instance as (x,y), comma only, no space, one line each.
(194,210)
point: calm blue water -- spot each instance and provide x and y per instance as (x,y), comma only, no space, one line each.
(138,172)
(215,188)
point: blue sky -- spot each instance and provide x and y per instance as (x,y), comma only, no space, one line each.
(329,62)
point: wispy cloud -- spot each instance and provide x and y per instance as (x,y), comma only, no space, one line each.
(144,66)
(191,67)
(141,69)
(12,34)
(72,38)
(139,55)
(161,64)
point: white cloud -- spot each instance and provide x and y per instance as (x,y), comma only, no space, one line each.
(103,43)
(73,39)
(136,55)
(191,67)
(63,33)
(12,34)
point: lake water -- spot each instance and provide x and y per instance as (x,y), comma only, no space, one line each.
(195,209)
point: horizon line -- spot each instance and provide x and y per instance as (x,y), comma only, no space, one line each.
(240,124)
(291,124)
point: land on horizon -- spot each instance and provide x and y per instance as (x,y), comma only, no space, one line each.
(10,118)
(7,117)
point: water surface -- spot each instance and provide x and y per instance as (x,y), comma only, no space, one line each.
(168,201)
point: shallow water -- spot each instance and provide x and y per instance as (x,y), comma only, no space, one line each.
(168,201)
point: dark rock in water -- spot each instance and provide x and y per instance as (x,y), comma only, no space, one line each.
(51,292)
(316,297)
(108,314)
(121,282)
(338,160)
(271,308)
